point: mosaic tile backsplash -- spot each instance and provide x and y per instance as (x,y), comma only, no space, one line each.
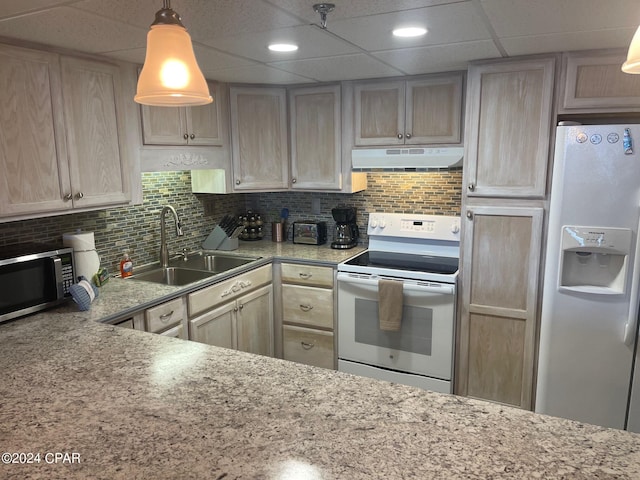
(137,228)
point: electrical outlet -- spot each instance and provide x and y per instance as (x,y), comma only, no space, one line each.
(315,206)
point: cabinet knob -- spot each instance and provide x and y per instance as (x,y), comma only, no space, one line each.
(307,346)
(471,187)
(400,136)
(79,195)
(293,180)
(185,136)
(67,197)
(166,316)
(306,308)
(469,214)
(408,135)
(192,136)
(241,306)
(237,182)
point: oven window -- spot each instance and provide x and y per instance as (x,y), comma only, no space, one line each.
(415,334)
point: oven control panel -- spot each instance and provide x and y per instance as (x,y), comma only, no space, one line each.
(436,227)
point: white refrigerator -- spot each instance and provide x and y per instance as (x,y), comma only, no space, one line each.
(589,312)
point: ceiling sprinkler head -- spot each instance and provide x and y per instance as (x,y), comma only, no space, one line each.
(323,9)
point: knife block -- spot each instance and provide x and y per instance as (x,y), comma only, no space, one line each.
(218,240)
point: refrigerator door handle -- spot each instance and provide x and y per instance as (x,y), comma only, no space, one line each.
(632,322)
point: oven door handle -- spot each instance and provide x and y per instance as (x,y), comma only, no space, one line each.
(408,285)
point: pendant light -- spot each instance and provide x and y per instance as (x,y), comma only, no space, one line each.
(170,76)
(632,65)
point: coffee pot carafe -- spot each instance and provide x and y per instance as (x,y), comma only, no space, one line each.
(346,231)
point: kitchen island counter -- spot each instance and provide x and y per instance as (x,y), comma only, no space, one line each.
(135,405)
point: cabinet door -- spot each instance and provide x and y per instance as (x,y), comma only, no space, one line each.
(594,82)
(434,109)
(204,123)
(99,171)
(255,322)
(379,113)
(33,155)
(316,161)
(259,138)
(509,121)
(163,125)
(501,258)
(216,327)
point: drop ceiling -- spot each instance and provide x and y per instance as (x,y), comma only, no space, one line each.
(231,36)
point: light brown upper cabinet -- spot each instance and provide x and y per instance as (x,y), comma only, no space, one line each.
(594,82)
(60,146)
(33,154)
(259,138)
(423,111)
(93,104)
(509,118)
(199,125)
(316,161)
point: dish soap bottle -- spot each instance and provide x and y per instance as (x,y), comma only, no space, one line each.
(126,265)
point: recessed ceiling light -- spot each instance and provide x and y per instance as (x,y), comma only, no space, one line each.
(283,47)
(409,31)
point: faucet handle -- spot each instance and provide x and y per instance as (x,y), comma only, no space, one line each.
(185,254)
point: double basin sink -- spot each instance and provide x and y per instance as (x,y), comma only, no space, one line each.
(195,267)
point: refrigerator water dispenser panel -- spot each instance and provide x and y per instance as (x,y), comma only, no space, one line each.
(594,259)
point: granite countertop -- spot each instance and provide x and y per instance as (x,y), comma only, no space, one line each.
(122,403)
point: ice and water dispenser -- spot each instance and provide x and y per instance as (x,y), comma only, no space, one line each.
(594,259)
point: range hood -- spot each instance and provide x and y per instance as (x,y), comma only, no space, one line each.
(406,159)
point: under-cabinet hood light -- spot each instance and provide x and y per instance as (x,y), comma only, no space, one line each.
(170,76)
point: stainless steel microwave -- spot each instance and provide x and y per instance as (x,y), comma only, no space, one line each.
(33,277)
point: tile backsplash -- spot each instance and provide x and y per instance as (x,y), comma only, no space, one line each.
(137,228)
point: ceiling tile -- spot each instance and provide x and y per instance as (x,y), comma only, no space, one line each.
(453,23)
(69,28)
(204,19)
(438,58)
(512,18)
(555,42)
(16,7)
(345,67)
(256,74)
(352,8)
(312,42)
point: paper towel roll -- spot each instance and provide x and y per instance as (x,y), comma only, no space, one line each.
(85,256)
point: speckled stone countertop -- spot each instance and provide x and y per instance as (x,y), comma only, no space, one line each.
(124,404)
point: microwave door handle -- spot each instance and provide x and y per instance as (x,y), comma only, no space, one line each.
(57,270)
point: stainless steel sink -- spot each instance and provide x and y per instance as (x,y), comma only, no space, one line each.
(197,266)
(172,276)
(211,262)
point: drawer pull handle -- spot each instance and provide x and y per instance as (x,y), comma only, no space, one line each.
(166,316)
(307,346)
(306,276)
(305,308)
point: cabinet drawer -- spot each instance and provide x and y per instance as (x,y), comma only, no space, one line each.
(164,316)
(311,347)
(178,332)
(307,275)
(209,297)
(307,305)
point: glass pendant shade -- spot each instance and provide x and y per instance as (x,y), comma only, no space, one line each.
(170,76)
(632,65)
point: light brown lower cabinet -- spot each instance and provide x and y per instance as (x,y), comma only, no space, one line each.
(308,345)
(308,314)
(236,313)
(499,303)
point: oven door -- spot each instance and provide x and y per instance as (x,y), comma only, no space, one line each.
(424,343)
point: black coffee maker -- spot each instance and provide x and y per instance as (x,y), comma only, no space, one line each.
(346,231)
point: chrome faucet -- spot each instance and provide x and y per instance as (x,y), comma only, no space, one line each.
(164,252)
